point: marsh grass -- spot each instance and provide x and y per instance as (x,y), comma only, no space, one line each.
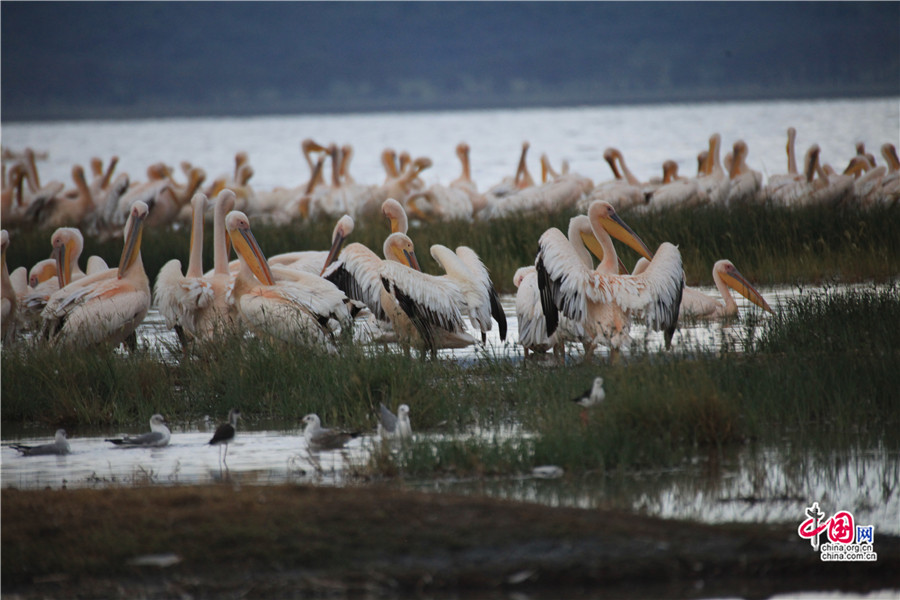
(826,366)
(769,245)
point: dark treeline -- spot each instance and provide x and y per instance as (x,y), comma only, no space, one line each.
(72,60)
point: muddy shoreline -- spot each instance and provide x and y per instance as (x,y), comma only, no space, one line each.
(286,541)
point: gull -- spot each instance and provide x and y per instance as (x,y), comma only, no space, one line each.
(394,426)
(322,438)
(591,397)
(59,446)
(159,435)
(225,433)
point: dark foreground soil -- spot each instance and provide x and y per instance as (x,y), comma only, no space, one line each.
(289,541)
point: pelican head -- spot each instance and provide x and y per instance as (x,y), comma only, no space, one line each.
(342,230)
(393,212)
(67,245)
(42,271)
(609,155)
(603,214)
(238,227)
(733,279)
(133,232)
(399,248)
(520,274)
(889,152)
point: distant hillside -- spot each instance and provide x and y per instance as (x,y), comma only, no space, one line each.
(71,60)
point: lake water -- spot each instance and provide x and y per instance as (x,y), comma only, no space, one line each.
(646,135)
(752,484)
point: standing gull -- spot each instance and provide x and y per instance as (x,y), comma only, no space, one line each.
(159,435)
(59,446)
(225,433)
(322,438)
(391,426)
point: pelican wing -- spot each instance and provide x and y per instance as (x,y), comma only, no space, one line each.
(430,302)
(356,274)
(179,297)
(530,316)
(322,297)
(562,279)
(483,277)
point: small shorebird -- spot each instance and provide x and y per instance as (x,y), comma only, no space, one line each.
(591,397)
(225,433)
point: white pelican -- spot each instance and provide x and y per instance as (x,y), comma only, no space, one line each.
(675,191)
(603,302)
(67,243)
(59,446)
(10,302)
(532,324)
(530,317)
(776,181)
(623,191)
(394,213)
(391,426)
(465,269)
(159,436)
(458,200)
(422,309)
(316,261)
(322,438)
(695,303)
(181,296)
(292,306)
(220,313)
(890,185)
(714,180)
(799,191)
(746,184)
(225,433)
(106,307)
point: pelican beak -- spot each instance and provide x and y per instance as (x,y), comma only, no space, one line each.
(60,255)
(336,244)
(738,283)
(247,248)
(623,270)
(132,243)
(411,259)
(617,228)
(593,245)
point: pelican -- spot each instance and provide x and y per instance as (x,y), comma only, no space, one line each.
(181,296)
(391,426)
(890,185)
(603,302)
(532,324)
(10,302)
(530,317)
(59,446)
(623,191)
(695,303)
(316,261)
(776,181)
(465,269)
(322,438)
(394,213)
(225,433)
(220,313)
(745,184)
(422,309)
(158,437)
(714,181)
(289,305)
(108,306)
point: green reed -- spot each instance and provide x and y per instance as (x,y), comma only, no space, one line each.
(769,245)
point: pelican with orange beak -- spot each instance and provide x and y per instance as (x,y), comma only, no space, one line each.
(288,305)
(600,299)
(103,308)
